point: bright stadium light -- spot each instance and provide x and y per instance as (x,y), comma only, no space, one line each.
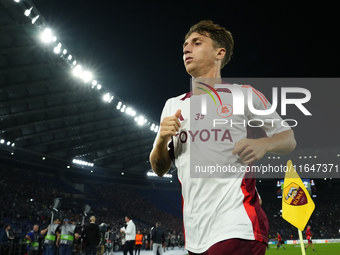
(77,71)
(56,50)
(35,19)
(99,86)
(152,127)
(54,39)
(136,119)
(2,141)
(128,110)
(64,51)
(119,105)
(107,97)
(133,113)
(28,11)
(69,57)
(156,129)
(8,143)
(94,82)
(86,76)
(17,1)
(82,163)
(46,36)
(74,62)
(140,120)
(123,108)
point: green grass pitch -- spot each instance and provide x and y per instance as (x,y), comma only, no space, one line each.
(294,249)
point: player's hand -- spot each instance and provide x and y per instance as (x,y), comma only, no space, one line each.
(169,127)
(250,150)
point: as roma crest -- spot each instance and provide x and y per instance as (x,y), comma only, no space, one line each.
(293,194)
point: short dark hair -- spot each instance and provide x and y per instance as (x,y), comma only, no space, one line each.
(128,216)
(221,37)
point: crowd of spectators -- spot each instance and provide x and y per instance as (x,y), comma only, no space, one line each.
(324,222)
(26,199)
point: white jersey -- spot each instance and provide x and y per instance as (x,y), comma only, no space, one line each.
(218,208)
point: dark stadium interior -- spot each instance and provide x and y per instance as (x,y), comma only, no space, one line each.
(48,118)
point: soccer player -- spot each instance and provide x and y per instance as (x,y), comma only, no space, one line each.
(309,238)
(220,215)
(279,242)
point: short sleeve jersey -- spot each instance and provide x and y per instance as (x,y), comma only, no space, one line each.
(216,209)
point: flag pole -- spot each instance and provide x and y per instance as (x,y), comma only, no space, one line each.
(301,242)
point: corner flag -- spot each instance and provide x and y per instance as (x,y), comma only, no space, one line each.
(297,205)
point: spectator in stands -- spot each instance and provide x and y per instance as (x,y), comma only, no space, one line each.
(32,241)
(68,233)
(92,236)
(130,234)
(158,239)
(51,237)
(139,242)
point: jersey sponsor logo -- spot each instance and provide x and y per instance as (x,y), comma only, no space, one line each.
(294,195)
(204,135)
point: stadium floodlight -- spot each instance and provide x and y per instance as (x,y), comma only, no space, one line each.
(54,39)
(107,97)
(2,141)
(8,143)
(136,118)
(128,110)
(74,62)
(13,144)
(86,76)
(64,51)
(94,82)
(28,11)
(56,50)
(35,19)
(77,71)
(69,57)
(133,113)
(140,120)
(99,86)
(123,108)
(46,36)
(17,1)
(152,127)
(119,105)
(156,129)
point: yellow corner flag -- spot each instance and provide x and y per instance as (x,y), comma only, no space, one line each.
(297,205)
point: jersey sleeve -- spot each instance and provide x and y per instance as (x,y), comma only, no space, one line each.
(270,123)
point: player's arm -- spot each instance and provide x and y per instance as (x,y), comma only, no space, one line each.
(251,150)
(159,157)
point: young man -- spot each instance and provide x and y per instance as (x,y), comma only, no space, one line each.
(309,238)
(279,242)
(221,215)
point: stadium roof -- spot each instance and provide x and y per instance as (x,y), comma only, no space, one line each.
(47,110)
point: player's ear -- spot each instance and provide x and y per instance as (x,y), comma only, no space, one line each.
(220,53)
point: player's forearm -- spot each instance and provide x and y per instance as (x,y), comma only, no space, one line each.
(281,143)
(160,160)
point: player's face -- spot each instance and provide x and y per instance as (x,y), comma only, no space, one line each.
(199,55)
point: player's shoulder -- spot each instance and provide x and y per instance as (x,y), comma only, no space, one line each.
(177,99)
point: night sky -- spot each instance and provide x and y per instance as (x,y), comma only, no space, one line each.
(134,49)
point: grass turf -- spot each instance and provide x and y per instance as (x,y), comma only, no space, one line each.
(294,249)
